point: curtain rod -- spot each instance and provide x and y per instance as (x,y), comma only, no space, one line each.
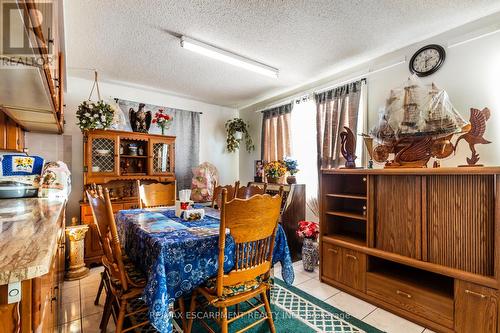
(317,90)
(116,100)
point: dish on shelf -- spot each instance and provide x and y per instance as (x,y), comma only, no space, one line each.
(102,152)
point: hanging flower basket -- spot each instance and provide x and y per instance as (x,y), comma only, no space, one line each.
(236,130)
(94,115)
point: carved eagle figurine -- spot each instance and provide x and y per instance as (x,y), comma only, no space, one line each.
(140,120)
(477,120)
(348,147)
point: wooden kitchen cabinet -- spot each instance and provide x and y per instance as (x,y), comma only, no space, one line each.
(11,134)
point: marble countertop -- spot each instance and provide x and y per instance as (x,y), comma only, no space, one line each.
(29,231)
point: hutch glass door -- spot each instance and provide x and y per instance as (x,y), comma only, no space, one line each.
(161,154)
(103,155)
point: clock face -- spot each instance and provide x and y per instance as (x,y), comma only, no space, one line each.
(427,60)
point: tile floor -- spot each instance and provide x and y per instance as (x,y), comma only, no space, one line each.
(79,314)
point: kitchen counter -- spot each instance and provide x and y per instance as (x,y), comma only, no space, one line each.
(29,231)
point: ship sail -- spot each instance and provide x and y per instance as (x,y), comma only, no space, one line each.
(416,110)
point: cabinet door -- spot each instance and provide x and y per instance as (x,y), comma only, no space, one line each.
(331,262)
(161,157)
(398,222)
(354,269)
(475,308)
(102,155)
(13,135)
(3,131)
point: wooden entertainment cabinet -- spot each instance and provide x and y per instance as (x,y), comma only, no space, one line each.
(421,243)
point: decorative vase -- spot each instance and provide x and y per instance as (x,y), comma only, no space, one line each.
(310,254)
(273,180)
(162,130)
(291,180)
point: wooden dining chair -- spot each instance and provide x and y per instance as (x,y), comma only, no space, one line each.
(246,192)
(156,194)
(250,278)
(124,284)
(231,193)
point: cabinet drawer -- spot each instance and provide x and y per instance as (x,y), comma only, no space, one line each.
(475,308)
(331,262)
(416,299)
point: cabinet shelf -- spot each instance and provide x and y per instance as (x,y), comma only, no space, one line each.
(347,196)
(349,238)
(133,156)
(348,214)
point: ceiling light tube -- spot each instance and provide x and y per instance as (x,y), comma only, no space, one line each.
(228,57)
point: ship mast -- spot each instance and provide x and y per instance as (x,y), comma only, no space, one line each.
(411,114)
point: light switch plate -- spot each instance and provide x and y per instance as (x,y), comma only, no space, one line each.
(14,292)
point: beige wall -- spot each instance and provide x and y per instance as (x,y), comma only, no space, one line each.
(470,75)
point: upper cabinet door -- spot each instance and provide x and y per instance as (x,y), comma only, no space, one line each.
(102,155)
(162,156)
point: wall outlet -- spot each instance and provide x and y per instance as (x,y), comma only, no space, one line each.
(14,292)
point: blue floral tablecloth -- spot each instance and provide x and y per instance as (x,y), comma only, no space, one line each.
(178,256)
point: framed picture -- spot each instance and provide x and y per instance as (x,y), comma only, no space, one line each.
(259,171)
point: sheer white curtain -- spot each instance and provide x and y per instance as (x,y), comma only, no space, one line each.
(303,126)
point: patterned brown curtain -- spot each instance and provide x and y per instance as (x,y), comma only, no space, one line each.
(276,143)
(335,109)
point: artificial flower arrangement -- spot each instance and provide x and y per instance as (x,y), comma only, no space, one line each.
(94,115)
(162,120)
(274,170)
(308,230)
(291,165)
(292,168)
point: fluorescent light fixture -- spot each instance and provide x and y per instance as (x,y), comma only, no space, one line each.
(228,57)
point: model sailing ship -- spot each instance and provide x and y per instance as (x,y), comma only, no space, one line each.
(417,123)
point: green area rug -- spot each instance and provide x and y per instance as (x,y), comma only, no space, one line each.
(296,311)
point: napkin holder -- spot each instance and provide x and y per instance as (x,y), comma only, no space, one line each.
(193,214)
(181,206)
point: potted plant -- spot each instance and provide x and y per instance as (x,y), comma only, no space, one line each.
(291,167)
(236,129)
(309,231)
(94,115)
(274,171)
(162,120)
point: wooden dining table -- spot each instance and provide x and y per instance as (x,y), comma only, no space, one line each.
(177,256)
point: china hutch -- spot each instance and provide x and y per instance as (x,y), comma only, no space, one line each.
(422,243)
(116,160)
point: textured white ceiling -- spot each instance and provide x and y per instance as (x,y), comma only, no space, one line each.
(131,40)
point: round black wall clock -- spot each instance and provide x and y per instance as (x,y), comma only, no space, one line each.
(427,60)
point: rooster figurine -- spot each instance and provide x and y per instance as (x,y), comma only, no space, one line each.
(478,120)
(348,147)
